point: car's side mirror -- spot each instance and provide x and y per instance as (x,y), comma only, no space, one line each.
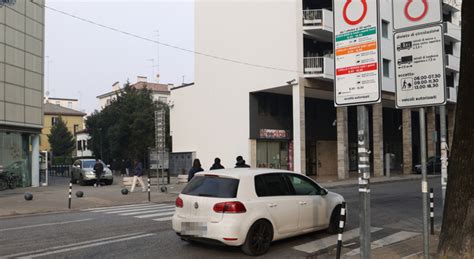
(324,192)
(108,166)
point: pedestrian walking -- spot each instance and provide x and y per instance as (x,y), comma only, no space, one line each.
(128,166)
(137,175)
(240,163)
(217,164)
(122,167)
(98,170)
(195,169)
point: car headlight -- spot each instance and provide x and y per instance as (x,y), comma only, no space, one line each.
(108,172)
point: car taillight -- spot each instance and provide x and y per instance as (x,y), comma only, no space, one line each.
(179,202)
(229,207)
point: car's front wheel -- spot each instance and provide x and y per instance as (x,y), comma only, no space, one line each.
(258,238)
(109,182)
(334,221)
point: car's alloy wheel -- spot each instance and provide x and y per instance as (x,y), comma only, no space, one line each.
(258,239)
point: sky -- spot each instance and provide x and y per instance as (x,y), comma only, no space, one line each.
(83,60)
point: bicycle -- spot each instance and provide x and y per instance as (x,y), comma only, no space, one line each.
(8,181)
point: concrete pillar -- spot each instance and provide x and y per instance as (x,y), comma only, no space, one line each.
(430,132)
(253,152)
(377,131)
(451,120)
(407,142)
(35,155)
(299,136)
(342,143)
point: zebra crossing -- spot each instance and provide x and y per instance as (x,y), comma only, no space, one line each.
(380,238)
(156,212)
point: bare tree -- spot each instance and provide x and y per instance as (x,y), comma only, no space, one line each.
(457,233)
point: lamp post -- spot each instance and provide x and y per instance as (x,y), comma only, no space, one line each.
(100,137)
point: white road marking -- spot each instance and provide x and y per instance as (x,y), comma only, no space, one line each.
(90,245)
(388,240)
(114,207)
(163,219)
(70,245)
(320,244)
(155,215)
(130,210)
(147,212)
(45,224)
(415,255)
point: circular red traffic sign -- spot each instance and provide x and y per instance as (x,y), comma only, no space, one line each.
(419,17)
(360,19)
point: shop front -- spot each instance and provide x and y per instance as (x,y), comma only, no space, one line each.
(15,156)
(274,149)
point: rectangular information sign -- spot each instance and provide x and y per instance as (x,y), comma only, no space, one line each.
(419,67)
(356,51)
(412,13)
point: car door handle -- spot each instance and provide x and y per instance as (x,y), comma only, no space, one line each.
(272,205)
(302,203)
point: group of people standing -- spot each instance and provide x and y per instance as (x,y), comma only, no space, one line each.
(240,163)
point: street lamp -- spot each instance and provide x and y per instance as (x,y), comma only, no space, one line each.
(100,137)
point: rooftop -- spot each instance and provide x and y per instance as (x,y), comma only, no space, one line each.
(54,109)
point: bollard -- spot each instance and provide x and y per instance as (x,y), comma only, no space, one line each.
(70,192)
(149,197)
(432,211)
(342,222)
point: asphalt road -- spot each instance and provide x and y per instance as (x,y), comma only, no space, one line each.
(111,234)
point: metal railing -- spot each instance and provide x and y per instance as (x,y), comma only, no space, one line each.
(60,170)
(313,17)
(314,65)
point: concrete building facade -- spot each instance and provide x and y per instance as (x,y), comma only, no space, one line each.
(21,87)
(279,112)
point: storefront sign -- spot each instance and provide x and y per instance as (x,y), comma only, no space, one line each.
(274,134)
(419,67)
(411,13)
(7,2)
(356,51)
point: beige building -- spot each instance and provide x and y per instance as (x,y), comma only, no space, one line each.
(64,102)
(160,92)
(74,121)
(21,87)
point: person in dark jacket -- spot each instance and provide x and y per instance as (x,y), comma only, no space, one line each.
(217,164)
(98,170)
(138,172)
(241,163)
(195,169)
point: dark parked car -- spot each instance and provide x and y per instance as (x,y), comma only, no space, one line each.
(433,166)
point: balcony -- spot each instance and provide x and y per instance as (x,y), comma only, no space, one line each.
(452,63)
(319,67)
(452,95)
(452,5)
(317,24)
(452,32)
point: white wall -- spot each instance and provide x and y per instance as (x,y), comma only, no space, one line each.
(212,117)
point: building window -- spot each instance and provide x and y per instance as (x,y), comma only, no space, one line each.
(69,105)
(79,145)
(76,128)
(58,102)
(385,25)
(162,99)
(54,120)
(386,68)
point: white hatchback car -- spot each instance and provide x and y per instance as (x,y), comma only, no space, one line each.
(253,207)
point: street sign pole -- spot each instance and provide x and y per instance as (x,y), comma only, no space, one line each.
(364,180)
(424,185)
(444,151)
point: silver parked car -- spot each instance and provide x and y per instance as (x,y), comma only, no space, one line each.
(83,172)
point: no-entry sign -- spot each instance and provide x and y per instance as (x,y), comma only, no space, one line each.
(356,51)
(419,67)
(411,13)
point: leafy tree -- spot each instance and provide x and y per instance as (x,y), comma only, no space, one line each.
(457,232)
(125,129)
(61,140)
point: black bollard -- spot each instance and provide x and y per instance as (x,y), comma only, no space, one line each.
(28,196)
(124,191)
(342,222)
(79,194)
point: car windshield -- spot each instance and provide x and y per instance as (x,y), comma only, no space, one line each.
(88,164)
(212,186)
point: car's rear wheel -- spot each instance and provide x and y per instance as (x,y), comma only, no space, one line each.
(258,238)
(334,222)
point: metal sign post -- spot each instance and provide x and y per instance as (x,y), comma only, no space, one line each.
(444,152)
(357,83)
(419,71)
(160,145)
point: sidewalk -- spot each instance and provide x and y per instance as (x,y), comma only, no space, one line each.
(54,198)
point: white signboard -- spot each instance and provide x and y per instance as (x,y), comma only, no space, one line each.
(419,67)
(410,13)
(356,51)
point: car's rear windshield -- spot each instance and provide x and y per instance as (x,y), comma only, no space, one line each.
(212,186)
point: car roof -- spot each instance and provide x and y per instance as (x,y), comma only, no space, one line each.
(242,172)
